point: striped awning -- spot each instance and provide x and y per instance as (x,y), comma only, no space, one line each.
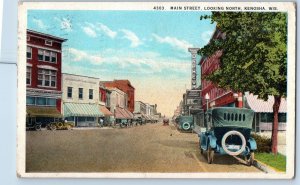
(105,111)
(40,111)
(121,113)
(82,109)
(259,105)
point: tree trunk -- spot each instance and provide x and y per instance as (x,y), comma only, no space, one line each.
(276,105)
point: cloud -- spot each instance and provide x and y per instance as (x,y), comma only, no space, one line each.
(106,30)
(129,62)
(79,55)
(205,36)
(135,41)
(174,42)
(89,31)
(39,23)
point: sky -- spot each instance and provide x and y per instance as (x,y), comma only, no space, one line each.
(149,48)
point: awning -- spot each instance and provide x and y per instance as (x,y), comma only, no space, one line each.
(259,105)
(105,111)
(82,109)
(121,113)
(34,111)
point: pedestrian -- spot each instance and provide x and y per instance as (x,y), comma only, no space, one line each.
(101,122)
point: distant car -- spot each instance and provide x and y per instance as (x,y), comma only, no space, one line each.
(60,125)
(166,121)
(33,126)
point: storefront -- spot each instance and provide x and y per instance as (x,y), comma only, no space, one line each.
(43,115)
(123,115)
(82,114)
(108,117)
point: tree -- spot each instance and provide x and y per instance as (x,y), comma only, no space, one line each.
(254,56)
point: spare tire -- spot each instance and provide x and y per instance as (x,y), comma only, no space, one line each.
(242,137)
(186,126)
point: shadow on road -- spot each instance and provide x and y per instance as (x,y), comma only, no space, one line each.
(178,143)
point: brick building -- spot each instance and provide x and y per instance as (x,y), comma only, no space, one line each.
(43,77)
(125,86)
(218,97)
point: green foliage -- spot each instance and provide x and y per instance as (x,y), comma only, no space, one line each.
(276,161)
(254,48)
(263,143)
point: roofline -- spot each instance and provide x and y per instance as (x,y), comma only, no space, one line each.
(48,35)
(79,75)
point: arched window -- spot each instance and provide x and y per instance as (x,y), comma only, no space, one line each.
(232,116)
(236,117)
(224,116)
(244,117)
(240,117)
(228,116)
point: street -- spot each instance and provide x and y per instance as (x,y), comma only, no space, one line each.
(147,148)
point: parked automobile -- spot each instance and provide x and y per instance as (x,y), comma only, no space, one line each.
(32,125)
(185,123)
(228,133)
(60,125)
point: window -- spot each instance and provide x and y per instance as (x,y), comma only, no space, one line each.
(48,42)
(70,92)
(90,94)
(47,56)
(28,75)
(30,100)
(53,57)
(28,38)
(29,52)
(240,117)
(244,117)
(80,93)
(236,117)
(40,101)
(47,78)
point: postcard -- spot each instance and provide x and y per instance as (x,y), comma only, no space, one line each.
(156,90)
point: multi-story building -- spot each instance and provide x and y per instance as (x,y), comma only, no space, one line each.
(125,86)
(43,77)
(139,107)
(104,103)
(118,104)
(217,96)
(81,100)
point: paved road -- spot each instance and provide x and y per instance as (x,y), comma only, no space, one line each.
(147,148)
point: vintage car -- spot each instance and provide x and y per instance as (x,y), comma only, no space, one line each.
(228,132)
(60,125)
(185,123)
(32,125)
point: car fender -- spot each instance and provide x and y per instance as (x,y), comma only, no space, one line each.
(252,144)
(212,141)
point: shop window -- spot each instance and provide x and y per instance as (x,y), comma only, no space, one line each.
(41,101)
(80,93)
(30,100)
(51,102)
(90,119)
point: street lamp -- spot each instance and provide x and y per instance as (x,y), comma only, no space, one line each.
(206,99)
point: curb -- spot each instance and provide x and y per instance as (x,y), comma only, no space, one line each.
(263,167)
